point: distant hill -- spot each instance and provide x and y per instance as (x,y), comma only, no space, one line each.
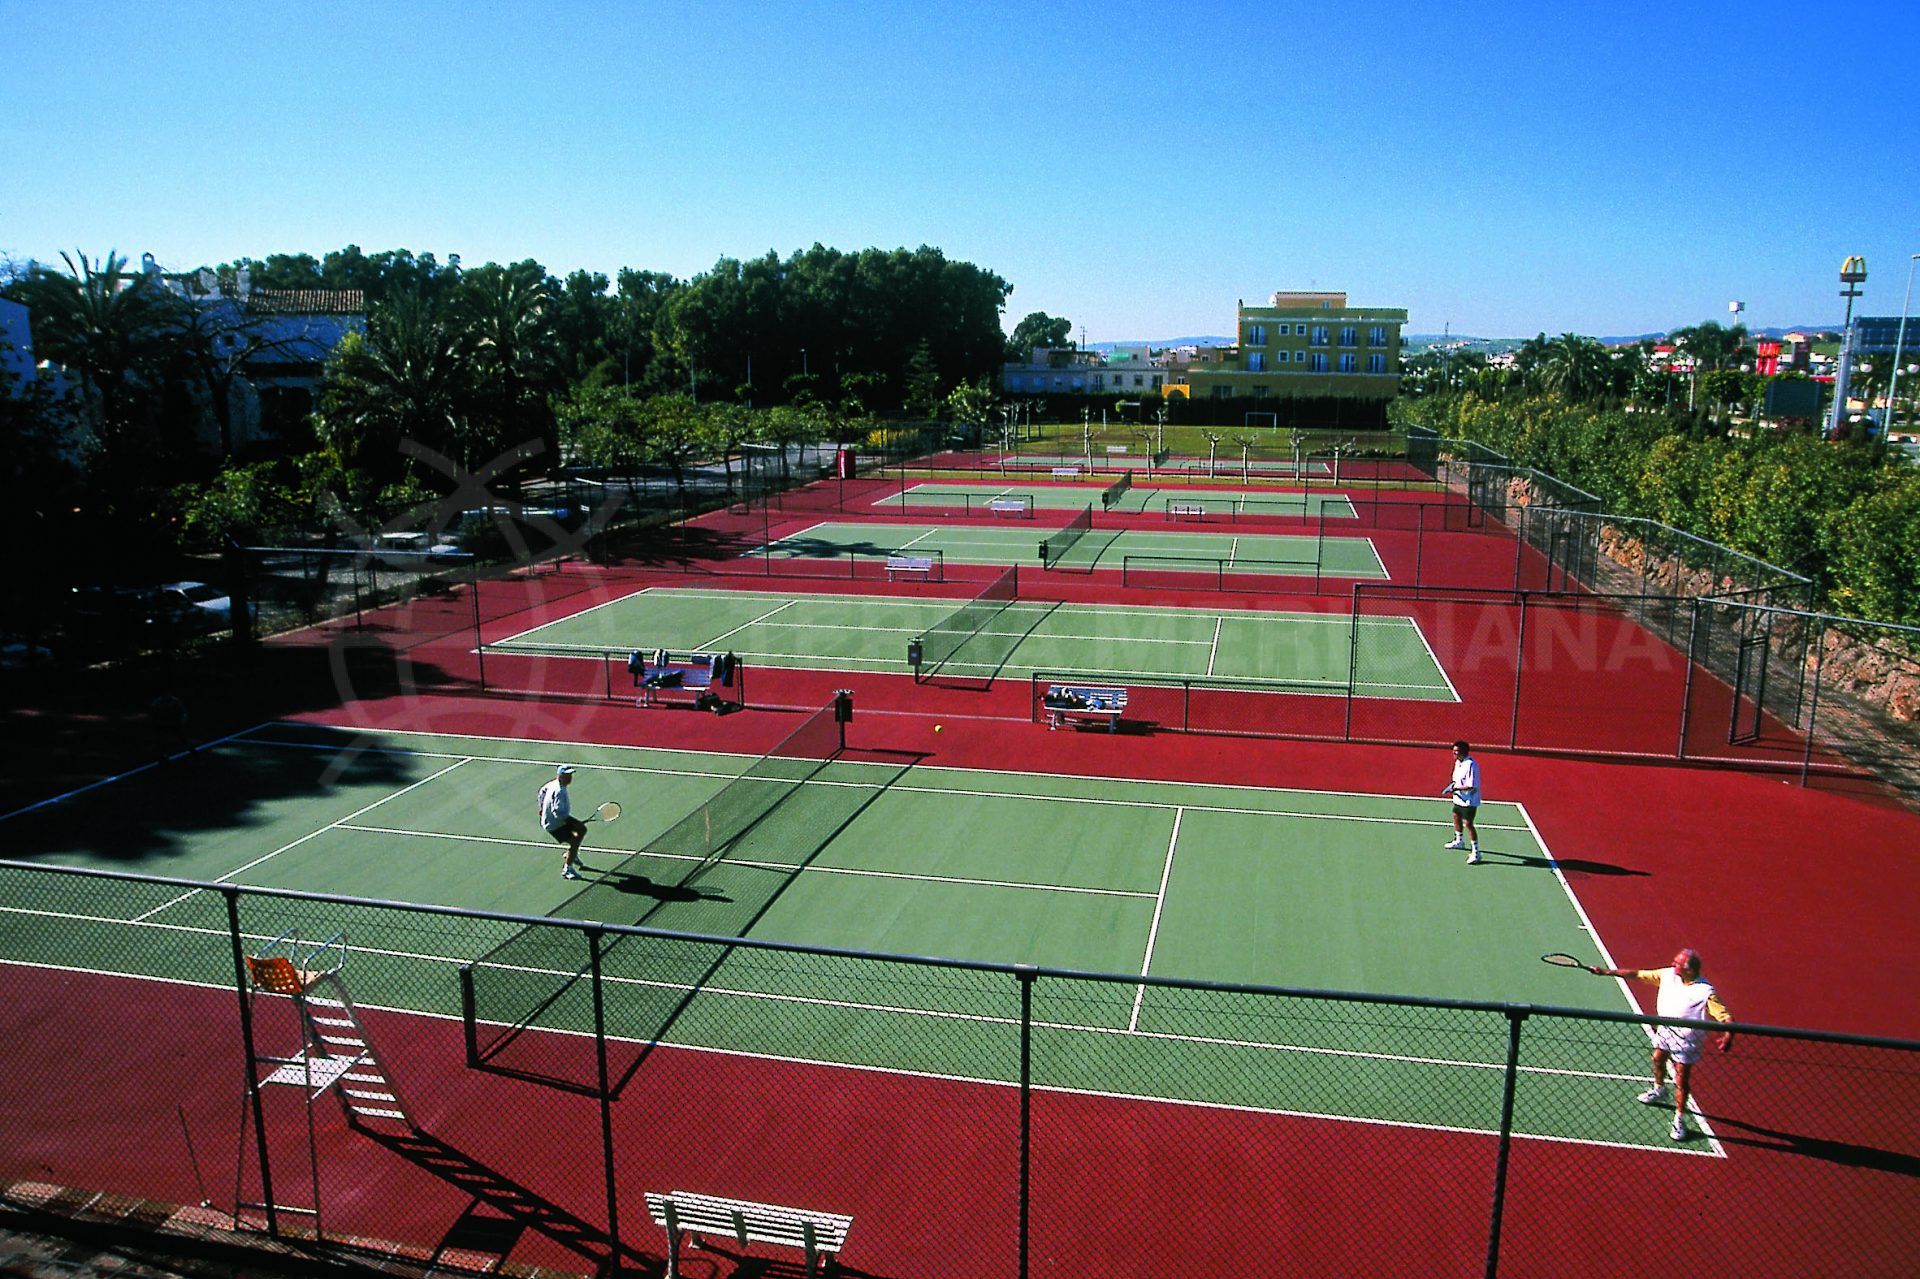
(1160,343)
(1420,341)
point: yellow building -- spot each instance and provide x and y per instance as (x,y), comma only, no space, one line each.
(1301,345)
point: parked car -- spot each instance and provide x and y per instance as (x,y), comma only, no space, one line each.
(193,605)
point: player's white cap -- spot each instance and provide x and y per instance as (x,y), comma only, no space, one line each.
(565,770)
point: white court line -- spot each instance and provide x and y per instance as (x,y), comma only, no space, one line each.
(131,772)
(923,537)
(1434,658)
(709,645)
(1147,782)
(241,870)
(1095,800)
(591,608)
(1153,929)
(853,872)
(1092,610)
(1213,653)
(896,1071)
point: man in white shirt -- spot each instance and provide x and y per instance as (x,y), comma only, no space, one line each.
(1465,789)
(557,819)
(1684,995)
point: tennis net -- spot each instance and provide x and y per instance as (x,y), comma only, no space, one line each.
(946,637)
(534,977)
(1111,495)
(1058,544)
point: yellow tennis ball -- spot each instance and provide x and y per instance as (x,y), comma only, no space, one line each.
(938,727)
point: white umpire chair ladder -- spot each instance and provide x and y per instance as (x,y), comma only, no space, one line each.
(334,1056)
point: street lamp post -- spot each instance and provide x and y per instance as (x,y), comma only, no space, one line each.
(1853,272)
(1899,340)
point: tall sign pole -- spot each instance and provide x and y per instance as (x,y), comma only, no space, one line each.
(1853,272)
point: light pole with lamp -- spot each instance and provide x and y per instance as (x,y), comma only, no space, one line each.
(1853,272)
(1899,340)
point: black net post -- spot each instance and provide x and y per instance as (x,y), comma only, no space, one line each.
(249,1055)
(1026,974)
(843,712)
(604,1091)
(1519,665)
(1516,1017)
(479,640)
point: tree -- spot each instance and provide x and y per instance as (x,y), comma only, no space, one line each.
(115,330)
(216,339)
(408,378)
(1575,367)
(971,405)
(505,312)
(1037,329)
(922,382)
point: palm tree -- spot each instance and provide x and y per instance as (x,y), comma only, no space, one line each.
(507,313)
(408,378)
(109,326)
(1575,367)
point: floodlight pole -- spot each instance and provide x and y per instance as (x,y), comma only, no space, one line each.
(1899,340)
(1853,272)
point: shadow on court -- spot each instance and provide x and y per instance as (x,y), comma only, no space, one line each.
(1581,865)
(651,985)
(502,1209)
(1847,1154)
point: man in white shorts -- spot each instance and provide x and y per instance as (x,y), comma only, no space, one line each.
(1465,789)
(1683,995)
(557,819)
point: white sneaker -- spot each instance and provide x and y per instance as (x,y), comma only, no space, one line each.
(569,872)
(1455,842)
(1653,1096)
(1473,858)
(1679,1130)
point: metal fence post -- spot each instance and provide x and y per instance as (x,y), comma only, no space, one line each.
(1519,664)
(603,1092)
(1813,704)
(1516,1014)
(1686,692)
(232,894)
(1025,974)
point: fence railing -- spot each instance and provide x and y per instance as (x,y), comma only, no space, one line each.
(975,1119)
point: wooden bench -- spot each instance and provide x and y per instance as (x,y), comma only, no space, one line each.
(920,564)
(659,675)
(1080,704)
(1011,506)
(1066,472)
(819,1234)
(1186,510)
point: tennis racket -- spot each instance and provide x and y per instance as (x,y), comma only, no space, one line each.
(607,812)
(1561,960)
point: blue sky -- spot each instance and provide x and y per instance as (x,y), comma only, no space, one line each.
(1504,168)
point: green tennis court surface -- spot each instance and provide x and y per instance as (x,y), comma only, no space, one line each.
(1221,883)
(870,633)
(1060,497)
(1227,465)
(1275,553)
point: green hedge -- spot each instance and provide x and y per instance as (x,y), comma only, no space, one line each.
(1834,511)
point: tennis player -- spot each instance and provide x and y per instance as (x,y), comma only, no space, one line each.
(557,819)
(1682,994)
(1465,789)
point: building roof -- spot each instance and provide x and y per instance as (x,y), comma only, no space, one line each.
(307,301)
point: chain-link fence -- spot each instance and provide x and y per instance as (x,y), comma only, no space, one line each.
(974,1119)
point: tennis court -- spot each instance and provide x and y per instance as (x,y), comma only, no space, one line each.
(1270,554)
(870,633)
(1224,465)
(979,498)
(1164,879)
